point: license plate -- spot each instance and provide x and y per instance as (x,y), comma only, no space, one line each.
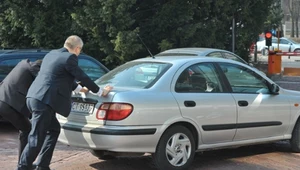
(82,107)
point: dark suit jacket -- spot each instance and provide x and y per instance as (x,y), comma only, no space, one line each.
(14,87)
(55,81)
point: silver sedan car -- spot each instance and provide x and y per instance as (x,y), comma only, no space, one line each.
(172,107)
(285,45)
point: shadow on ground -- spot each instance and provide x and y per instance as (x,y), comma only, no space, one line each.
(226,159)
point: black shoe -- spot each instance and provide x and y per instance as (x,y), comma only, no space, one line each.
(34,166)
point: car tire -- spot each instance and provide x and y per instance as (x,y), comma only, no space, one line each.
(295,141)
(180,154)
(101,155)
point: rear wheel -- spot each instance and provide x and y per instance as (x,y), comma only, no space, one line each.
(175,150)
(295,141)
(101,155)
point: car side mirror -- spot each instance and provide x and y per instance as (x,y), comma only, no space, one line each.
(274,89)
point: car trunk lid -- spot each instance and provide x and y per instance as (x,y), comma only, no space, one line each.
(84,108)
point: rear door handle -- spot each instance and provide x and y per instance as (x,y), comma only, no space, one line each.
(242,103)
(190,103)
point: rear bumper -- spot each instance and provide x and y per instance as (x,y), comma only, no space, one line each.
(106,131)
(111,138)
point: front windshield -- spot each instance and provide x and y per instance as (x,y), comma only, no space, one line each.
(134,74)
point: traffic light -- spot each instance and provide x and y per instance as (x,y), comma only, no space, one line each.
(268,37)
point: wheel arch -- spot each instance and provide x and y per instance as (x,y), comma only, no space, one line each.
(190,127)
(298,120)
(296,49)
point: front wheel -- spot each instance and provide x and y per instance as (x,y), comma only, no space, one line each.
(295,141)
(175,150)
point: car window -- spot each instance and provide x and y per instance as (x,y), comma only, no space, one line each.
(198,78)
(244,80)
(134,74)
(274,40)
(215,54)
(282,41)
(92,69)
(294,42)
(7,65)
(233,57)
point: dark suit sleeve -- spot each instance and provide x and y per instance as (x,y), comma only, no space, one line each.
(74,85)
(34,70)
(73,69)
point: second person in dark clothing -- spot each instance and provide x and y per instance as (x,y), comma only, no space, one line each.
(13,91)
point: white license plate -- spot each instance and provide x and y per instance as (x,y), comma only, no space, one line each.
(82,107)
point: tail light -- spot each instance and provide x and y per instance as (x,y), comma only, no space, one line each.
(114,111)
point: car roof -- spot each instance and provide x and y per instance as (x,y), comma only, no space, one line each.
(180,59)
(192,51)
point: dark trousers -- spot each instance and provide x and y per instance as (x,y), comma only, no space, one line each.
(19,121)
(42,137)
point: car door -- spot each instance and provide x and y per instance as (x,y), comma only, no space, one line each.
(260,113)
(284,45)
(203,99)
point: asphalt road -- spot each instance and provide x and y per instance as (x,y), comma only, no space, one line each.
(275,156)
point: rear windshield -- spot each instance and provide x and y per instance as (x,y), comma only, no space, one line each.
(134,75)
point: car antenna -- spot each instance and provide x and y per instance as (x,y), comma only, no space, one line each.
(145,46)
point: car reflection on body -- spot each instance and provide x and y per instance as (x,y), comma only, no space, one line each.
(188,104)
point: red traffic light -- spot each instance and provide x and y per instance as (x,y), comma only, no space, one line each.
(268,35)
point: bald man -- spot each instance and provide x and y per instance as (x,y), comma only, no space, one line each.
(50,93)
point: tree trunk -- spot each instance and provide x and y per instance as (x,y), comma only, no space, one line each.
(297,30)
(293,26)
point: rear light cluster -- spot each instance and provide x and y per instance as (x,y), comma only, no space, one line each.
(114,111)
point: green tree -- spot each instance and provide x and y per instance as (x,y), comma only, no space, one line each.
(42,24)
(112,29)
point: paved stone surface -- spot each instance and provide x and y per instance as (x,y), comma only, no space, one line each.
(275,156)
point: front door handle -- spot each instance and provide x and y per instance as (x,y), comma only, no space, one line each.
(242,103)
(189,103)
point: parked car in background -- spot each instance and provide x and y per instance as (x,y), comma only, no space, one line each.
(10,58)
(188,104)
(208,52)
(285,45)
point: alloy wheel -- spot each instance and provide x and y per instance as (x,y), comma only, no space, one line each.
(178,149)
